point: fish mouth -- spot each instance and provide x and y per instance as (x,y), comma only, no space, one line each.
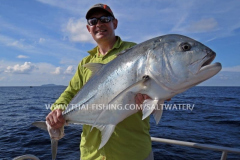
(208,60)
(205,69)
(204,64)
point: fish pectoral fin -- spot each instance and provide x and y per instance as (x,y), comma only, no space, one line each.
(54,147)
(157,114)
(40,124)
(106,131)
(149,106)
(94,67)
(135,88)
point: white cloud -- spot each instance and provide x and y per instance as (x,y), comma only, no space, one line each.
(194,19)
(41,40)
(180,21)
(232,69)
(203,25)
(26,68)
(77,7)
(42,75)
(68,61)
(16,44)
(1,67)
(69,70)
(34,43)
(20,44)
(57,71)
(77,31)
(223,78)
(2,78)
(22,56)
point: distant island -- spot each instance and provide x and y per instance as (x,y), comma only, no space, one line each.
(50,85)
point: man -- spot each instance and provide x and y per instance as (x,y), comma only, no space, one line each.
(130,139)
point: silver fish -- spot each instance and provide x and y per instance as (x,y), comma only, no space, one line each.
(160,67)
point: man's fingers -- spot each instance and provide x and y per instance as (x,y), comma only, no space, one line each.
(55,119)
(49,119)
(139,99)
(59,114)
(57,125)
(60,117)
(146,97)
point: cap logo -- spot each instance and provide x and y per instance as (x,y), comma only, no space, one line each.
(99,6)
(107,8)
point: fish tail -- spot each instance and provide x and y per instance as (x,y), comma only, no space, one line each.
(40,124)
(54,147)
(54,143)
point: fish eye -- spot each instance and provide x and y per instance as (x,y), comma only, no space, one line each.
(185,46)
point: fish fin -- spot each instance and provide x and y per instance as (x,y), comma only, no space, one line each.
(148,106)
(54,143)
(91,129)
(157,114)
(106,132)
(136,87)
(54,147)
(94,67)
(40,124)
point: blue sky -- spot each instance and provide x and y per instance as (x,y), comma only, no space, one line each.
(42,41)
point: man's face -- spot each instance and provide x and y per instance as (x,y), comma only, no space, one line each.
(102,31)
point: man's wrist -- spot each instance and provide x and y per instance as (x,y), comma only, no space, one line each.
(58,106)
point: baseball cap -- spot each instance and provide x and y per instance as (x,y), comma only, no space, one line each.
(99,6)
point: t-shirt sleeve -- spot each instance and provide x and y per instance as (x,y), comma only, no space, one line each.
(74,86)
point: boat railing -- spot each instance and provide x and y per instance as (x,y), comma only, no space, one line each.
(224,150)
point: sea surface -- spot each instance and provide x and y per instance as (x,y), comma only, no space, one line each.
(208,115)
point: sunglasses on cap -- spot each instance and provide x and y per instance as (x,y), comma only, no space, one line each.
(103,19)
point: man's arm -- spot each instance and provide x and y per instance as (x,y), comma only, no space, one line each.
(55,118)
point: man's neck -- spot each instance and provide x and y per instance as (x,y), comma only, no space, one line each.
(106,46)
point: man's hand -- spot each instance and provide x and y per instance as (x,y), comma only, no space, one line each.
(139,99)
(55,119)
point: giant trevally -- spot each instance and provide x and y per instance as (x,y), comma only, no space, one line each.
(160,67)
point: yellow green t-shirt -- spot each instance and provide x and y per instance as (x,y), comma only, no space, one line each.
(130,139)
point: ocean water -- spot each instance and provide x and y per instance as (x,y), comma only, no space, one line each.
(214,119)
